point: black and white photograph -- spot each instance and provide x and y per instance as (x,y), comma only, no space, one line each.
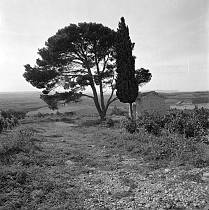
(104,105)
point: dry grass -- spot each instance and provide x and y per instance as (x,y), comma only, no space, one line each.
(82,165)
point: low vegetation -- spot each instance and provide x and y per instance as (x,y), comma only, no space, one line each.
(177,136)
(164,150)
(189,123)
(10,118)
(118,111)
(50,163)
(25,176)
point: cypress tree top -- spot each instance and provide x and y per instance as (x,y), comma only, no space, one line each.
(126,83)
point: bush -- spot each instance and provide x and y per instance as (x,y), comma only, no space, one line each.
(109,123)
(39,115)
(190,123)
(21,140)
(10,113)
(128,125)
(10,118)
(151,122)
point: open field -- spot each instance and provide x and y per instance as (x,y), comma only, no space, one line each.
(79,164)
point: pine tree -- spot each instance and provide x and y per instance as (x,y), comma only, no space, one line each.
(76,57)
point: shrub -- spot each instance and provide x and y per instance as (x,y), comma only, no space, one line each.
(109,123)
(128,125)
(21,140)
(10,113)
(13,176)
(39,115)
(190,123)
(10,118)
(151,122)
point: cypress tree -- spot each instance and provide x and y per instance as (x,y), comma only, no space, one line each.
(126,83)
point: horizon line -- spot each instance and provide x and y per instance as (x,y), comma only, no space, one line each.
(37,91)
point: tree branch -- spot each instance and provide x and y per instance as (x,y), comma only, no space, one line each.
(87,96)
(96,100)
(105,62)
(79,56)
(114,99)
(109,101)
(100,83)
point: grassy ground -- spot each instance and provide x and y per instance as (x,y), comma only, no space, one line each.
(73,162)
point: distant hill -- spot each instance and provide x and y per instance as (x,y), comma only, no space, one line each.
(21,101)
(197,97)
(30,101)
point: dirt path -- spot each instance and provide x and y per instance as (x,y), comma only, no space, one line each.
(101,177)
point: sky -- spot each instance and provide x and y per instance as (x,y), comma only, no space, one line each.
(171,37)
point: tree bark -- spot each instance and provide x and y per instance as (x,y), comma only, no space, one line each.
(131,111)
(103,115)
(101,96)
(100,110)
(95,98)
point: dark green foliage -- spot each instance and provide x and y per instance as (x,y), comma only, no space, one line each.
(127,90)
(52,100)
(190,123)
(77,56)
(143,76)
(126,83)
(151,122)
(128,79)
(39,77)
(10,118)
(10,113)
(129,125)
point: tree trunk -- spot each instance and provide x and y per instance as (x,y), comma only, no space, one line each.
(103,115)
(134,111)
(101,96)
(101,111)
(131,111)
